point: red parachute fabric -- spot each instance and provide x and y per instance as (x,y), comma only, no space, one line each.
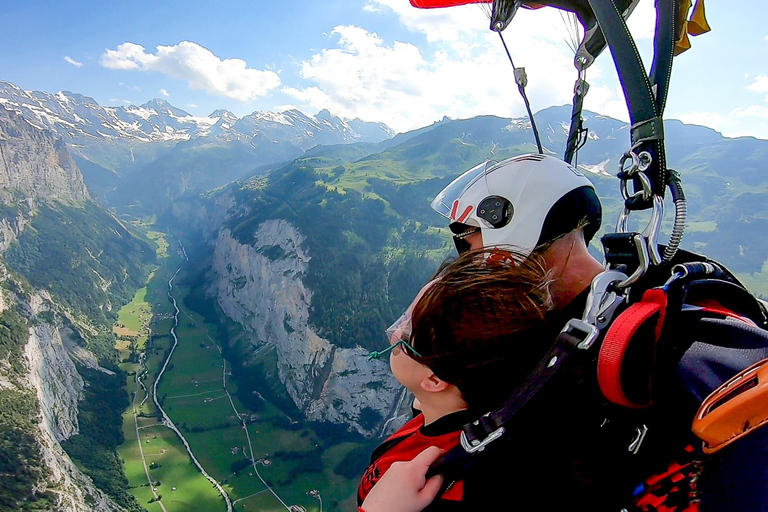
(432,4)
(429,4)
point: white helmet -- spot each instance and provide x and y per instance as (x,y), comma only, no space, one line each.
(524,201)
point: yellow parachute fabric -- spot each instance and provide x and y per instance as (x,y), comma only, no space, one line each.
(694,25)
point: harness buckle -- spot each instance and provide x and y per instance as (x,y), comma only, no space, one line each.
(588,333)
(603,300)
(477,445)
(602,303)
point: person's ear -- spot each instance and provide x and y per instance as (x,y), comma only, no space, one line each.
(434,384)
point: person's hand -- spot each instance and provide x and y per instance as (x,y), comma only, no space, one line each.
(404,487)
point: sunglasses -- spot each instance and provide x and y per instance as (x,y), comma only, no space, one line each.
(461,244)
(381,353)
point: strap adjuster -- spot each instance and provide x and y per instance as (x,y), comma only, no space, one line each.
(646,131)
(477,445)
(585,332)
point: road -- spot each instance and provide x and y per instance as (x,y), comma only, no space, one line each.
(166,419)
(138,375)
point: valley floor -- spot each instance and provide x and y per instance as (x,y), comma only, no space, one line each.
(263,459)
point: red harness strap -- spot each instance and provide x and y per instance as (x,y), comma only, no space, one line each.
(611,358)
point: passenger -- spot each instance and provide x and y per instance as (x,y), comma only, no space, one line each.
(535,203)
(463,346)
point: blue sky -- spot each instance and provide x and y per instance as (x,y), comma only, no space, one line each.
(380,60)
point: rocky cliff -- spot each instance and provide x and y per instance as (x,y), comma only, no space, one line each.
(260,287)
(35,163)
(46,371)
(56,245)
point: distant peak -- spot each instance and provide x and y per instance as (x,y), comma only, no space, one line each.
(222,113)
(157,103)
(324,114)
(76,97)
(163,106)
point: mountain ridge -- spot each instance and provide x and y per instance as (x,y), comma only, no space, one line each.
(74,116)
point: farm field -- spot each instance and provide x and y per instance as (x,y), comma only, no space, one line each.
(177,481)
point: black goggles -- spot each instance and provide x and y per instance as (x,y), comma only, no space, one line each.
(460,242)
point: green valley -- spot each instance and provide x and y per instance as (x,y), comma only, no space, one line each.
(264,459)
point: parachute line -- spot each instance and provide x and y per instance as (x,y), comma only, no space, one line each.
(571,23)
(486,8)
(521,88)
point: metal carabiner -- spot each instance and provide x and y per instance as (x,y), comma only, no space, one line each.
(647,190)
(602,303)
(643,256)
(629,155)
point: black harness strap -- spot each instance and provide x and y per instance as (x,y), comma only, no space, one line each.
(576,127)
(477,435)
(667,24)
(645,116)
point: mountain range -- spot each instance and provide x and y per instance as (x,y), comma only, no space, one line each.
(115,146)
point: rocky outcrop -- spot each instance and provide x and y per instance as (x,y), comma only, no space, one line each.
(74,491)
(49,374)
(54,376)
(36,163)
(260,287)
(10,229)
(59,388)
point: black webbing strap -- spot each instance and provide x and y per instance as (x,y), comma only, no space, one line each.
(475,436)
(574,133)
(667,23)
(645,106)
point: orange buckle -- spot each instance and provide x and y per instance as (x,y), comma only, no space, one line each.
(734,409)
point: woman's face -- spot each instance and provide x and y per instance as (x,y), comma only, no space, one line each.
(406,370)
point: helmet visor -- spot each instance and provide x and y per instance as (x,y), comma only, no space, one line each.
(443,202)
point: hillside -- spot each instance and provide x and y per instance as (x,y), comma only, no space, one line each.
(66,264)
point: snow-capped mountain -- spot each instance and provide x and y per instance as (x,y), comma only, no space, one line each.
(158,141)
(78,119)
(75,117)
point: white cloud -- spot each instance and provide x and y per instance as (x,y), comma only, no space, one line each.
(198,66)
(461,72)
(191,105)
(759,85)
(73,61)
(710,119)
(134,87)
(749,121)
(750,111)
(164,92)
(407,87)
(436,24)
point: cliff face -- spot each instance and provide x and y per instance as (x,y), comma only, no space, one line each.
(38,370)
(260,287)
(55,379)
(59,387)
(35,163)
(49,374)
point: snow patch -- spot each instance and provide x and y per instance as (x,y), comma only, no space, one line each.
(599,169)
